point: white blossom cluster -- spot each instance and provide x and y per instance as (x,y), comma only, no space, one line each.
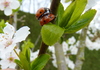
(73,51)
(93,39)
(8,41)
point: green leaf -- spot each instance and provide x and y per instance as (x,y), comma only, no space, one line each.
(80,6)
(67,15)
(83,21)
(28,54)
(2,25)
(24,61)
(60,13)
(15,10)
(27,44)
(40,62)
(18,63)
(26,48)
(20,0)
(67,1)
(51,33)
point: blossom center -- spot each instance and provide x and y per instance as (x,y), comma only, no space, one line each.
(6,4)
(11,59)
(8,43)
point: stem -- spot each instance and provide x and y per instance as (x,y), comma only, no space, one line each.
(11,19)
(80,56)
(43,48)
(15,20)
(53,8)
(16,52)
(61,63)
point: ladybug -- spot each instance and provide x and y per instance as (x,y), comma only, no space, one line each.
(41,12)
(44,15)
(46,19)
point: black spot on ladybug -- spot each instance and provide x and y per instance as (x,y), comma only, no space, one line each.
(40,12)
(44,21)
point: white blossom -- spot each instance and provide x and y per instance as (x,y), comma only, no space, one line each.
(65,47)
(9,69)
(10,37)
(70,63)
(52,49)
(73,50)
(92,45)
(71,40)
(8,60)
(34,55)
(91,3)
(8,5)
(54,62)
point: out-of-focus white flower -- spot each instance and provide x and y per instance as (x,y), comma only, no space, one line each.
(54,63)
(70,63)
(98,40)
(90,34)
(9,69)
(79,32)
(8,60)
(53,56)
(73,50)
(52,49)
(8,5)
(71,40)
(65,47)
(91,3)
(89,44)
(77,43)
(92,45)
(34,55)
(10,38)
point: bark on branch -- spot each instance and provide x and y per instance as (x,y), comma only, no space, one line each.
(80,56)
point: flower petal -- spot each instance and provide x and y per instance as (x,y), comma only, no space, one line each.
(7,50)
(1,6)
(8,11)
(12,65)
(14,4)
(1,46)
(9,30)
(9,69)
(21,34)
(4,64)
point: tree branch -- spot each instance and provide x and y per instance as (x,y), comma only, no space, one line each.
(53,8)
(61,63)
(80,56)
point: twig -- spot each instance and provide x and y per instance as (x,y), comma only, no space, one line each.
(61,63)
(43,48)
(36,42)
(80,56)
(54,6)
(16,52)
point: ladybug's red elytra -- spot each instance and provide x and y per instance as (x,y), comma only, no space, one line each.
(41,12)
(44,15)
(46,19)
